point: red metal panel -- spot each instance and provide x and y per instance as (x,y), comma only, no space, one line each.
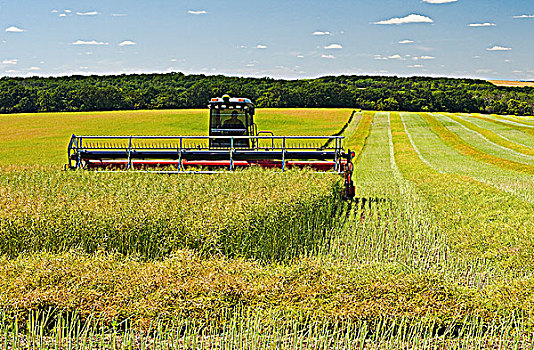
(318,165)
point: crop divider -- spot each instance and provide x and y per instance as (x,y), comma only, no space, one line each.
(129,154)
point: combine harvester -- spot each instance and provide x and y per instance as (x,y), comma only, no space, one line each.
(233,142)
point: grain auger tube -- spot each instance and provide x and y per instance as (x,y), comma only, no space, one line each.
(233,142)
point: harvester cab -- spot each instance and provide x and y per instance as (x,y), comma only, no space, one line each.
(231,117)
(233,142)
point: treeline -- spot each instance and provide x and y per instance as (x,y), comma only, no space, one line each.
(176,90)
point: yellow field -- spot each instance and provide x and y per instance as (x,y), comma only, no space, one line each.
(512,83)
(42,138)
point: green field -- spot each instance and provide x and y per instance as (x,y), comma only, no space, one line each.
(436,251)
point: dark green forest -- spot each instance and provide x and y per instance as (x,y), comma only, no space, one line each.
(177,90)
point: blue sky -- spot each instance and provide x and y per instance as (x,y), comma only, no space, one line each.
(490,39)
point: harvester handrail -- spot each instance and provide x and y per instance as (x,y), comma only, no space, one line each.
(133,149)
(205,137)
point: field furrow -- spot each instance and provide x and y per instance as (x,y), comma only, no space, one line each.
(483,144)
(358,131)
(492,136)
(463,147)
(424,158)
(482,222)
(445,159)
(501,120)
(507,132)
(389,222)
(521,120)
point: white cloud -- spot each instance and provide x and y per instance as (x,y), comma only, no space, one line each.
(118,15)
(499,48)
(333,46)
(413,18)
(524,16)
(407,41)
(11,61)
(486,24)
(300,56)
(197,12)
(416,66)
(391,57)
(439,1)
(90,13)
(14,29)
(321,33)
(415,58)
(68,11)
(127,43)
(259,46)
(54,11)
(34,68)
(92,42)
(62,15)
(11,71)
(328,56)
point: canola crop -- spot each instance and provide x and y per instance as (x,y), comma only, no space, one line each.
(254,214)
(435,251)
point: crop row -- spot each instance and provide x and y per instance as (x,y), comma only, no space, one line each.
(389,222)
(445,159)
(466,149)
(189,287)
(507,121)
(484,145)
(507,131)
(260,214)
(357,133)
(481,221)
(492,136)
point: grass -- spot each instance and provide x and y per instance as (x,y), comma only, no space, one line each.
(435,252)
